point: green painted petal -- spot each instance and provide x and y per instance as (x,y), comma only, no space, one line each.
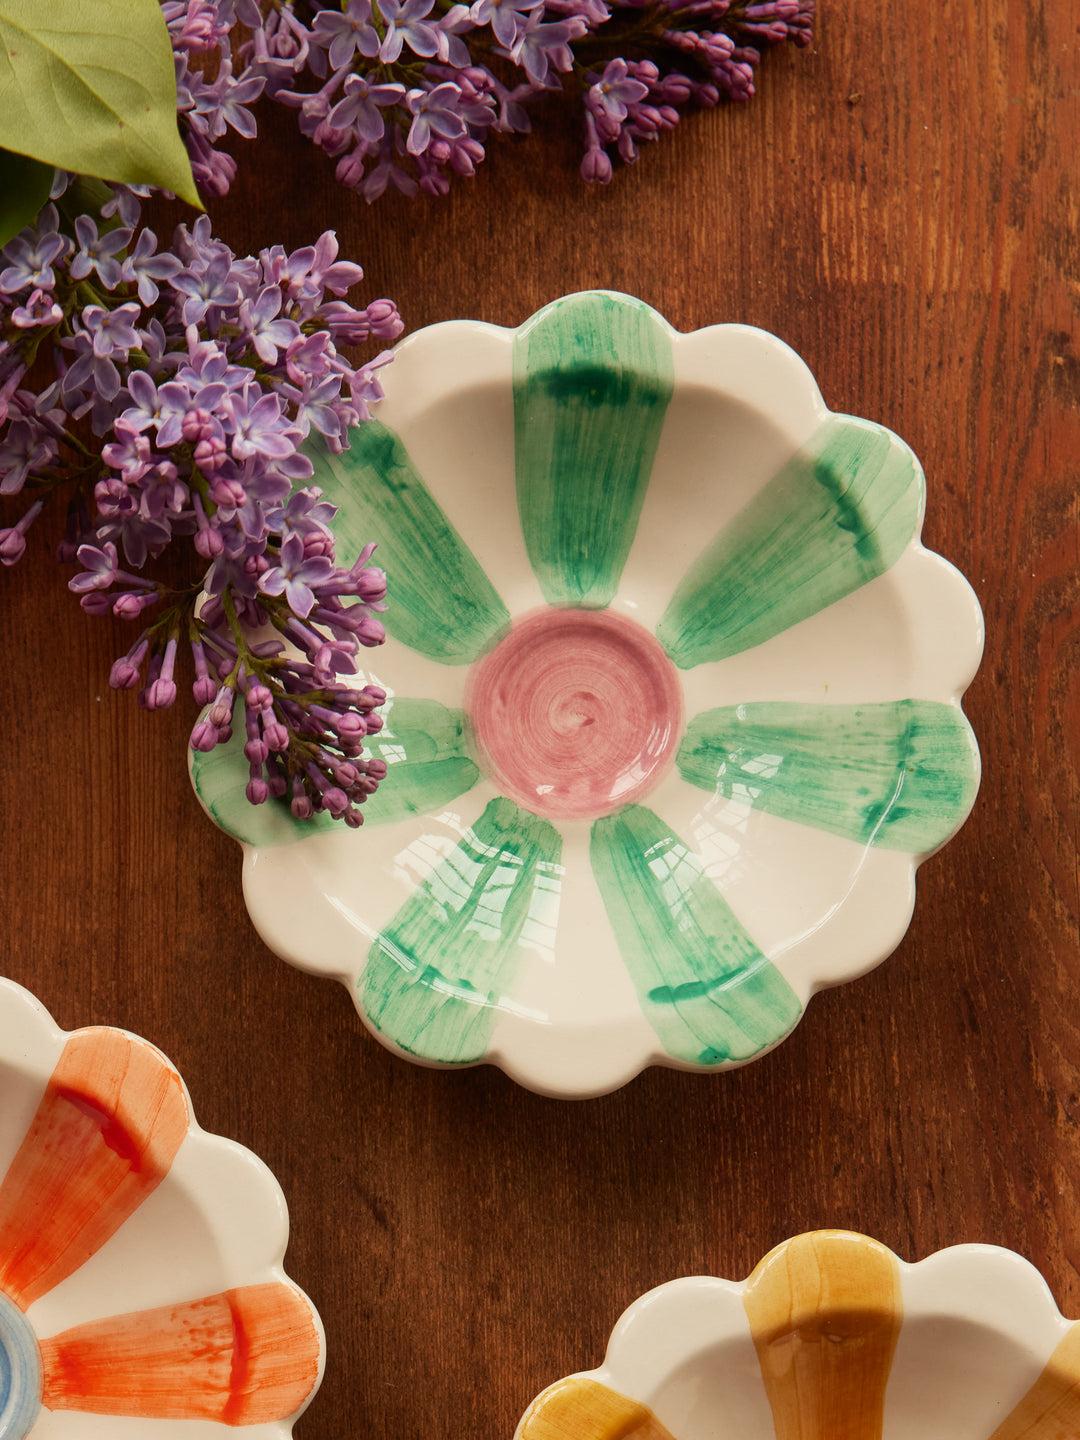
(902,775)
(428,763)
(704,986)
(593,375)
(220,777)
(440,602)
(428,766)
(434,976)
(837,515)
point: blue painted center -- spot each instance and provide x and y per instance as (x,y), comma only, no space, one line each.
(20,1373)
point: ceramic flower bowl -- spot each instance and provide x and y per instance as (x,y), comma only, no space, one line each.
(833,1338)
(674,704)
(141,1288)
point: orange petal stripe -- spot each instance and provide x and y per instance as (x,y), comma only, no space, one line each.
(242,1357)
(582,1409)
(1051,1408)
(825,1313)
(109,1124)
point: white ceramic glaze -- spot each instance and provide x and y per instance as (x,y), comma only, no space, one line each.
(974,1347)
(141,1275)
(693,491)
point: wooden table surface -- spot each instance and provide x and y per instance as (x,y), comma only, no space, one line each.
(901,204)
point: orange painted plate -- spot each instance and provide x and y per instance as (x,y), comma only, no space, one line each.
(141,1282)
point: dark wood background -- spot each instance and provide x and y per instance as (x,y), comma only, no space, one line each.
(902,205)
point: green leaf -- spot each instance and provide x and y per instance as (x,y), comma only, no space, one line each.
(89,86)
(24,189)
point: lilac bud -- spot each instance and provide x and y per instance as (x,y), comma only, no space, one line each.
(258,697)
(158,696)
(257,791)
(197,425)
(370,584)
(596,167)
(221,714)
(376,769)
(370,631)
(210,454)
(383,317)
(350,168)
(278,786)
(353,818)
(209,543)
(256,751)
(276,735)
(204,736)
(374,695)
(96,602)
(335,801)
(302,807)
(229,493)
(124,674)
(129,605)
(12,546)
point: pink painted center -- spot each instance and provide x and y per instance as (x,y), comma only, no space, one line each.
(575,712)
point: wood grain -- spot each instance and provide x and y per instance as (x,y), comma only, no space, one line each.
(902,205)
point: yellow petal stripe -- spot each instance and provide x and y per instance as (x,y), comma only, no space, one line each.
(583,1409)
(1051,1408)
(825,1312)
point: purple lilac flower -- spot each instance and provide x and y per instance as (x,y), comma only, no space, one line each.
(434,112)
(296,576)
(502,16)
(98,253)
(406,24)
(346,33)
(40,309)
(31,255)
(201,372)
(261,322)
(361,107)
(540,45)
(143,266)
(616,90)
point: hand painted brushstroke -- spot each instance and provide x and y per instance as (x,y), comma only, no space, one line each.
(837,515)
(825,1312)
(902,774)
(20,1373)
(440,601)
(704,986)
(428,763)
(219,778)
(1051,1408)
(428,766)
(593,375)
(243,1357)
(583,1409)
(494,897)
(104,1136)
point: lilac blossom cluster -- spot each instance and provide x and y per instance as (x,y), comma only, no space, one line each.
(404,94)
(167,393)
